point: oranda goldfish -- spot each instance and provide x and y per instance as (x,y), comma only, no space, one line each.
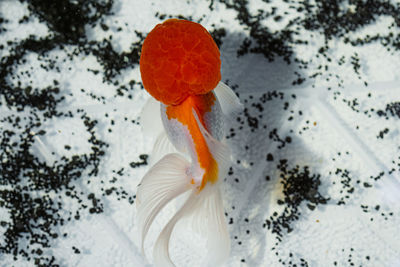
(180,68)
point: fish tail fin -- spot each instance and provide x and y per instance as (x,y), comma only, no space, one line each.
(208,218)
(166,180)
(205,211)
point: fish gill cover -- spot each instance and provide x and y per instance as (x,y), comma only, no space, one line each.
(70,148)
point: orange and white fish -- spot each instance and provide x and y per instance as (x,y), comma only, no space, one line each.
(180,67)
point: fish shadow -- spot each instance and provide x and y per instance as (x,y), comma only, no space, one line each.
(254,185)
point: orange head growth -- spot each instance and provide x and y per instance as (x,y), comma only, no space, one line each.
(179,58)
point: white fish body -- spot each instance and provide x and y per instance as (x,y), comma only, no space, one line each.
(189,154)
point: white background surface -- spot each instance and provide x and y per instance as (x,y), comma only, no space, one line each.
(328,135)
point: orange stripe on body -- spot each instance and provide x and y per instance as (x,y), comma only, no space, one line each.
(184,114)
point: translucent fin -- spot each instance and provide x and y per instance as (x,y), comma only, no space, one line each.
(161,248)
(230,103)
(208,219)
(206,215)
(161,147)
(150,118)
(163,182)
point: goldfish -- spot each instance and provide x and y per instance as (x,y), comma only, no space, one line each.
(180,67)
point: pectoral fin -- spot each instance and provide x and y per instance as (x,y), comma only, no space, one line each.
(150,118)
(230,103)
